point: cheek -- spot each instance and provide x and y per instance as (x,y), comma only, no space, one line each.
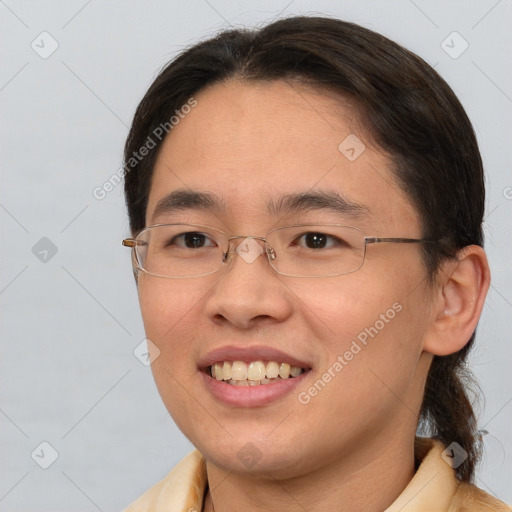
(340,309)
(170,316)
(371,344)
(165,304)
(370,322)
(170,312)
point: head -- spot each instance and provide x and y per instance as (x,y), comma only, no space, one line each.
(253,118)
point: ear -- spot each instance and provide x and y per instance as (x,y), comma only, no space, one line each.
(458,300)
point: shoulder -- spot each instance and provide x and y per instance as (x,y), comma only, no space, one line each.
(182,489)
(469,498)
(435,487)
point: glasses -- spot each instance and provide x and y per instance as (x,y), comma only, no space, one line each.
(305,250)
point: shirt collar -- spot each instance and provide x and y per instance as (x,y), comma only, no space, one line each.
(434,484)
(432,487)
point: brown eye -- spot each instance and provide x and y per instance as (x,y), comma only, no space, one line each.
(315,240)
(192,240)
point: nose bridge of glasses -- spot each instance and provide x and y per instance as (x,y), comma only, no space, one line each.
(249,248)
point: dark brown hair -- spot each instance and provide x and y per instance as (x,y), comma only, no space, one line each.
(408,110)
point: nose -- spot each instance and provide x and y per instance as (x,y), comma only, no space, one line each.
(249,292)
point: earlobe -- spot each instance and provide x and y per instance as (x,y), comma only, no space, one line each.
(458,301)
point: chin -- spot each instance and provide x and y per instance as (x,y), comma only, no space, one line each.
(250,455)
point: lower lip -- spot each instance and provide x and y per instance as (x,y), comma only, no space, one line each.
(251,396)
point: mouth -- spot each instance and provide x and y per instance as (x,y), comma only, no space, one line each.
(251,376)
(253,373)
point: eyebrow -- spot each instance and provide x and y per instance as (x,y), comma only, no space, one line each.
(316,200)
(181,200)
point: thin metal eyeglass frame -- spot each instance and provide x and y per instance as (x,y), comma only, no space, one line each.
(269,251)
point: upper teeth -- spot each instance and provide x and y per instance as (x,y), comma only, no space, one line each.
(254,371)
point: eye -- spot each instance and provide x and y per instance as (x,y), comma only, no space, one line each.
(192,240)
(318,241)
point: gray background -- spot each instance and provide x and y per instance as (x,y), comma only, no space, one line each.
(70,320)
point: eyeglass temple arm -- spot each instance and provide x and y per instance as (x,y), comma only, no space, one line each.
(376,240)
(129,242)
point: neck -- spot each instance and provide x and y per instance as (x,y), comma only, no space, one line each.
(367,479)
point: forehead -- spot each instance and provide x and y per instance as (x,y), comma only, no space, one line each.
(251,143)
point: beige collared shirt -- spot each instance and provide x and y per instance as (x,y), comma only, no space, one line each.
(434,488)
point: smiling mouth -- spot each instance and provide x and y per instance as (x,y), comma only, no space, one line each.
(254,373)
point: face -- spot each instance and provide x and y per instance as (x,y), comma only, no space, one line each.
(357,337)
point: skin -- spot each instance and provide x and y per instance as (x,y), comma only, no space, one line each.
(247,143)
